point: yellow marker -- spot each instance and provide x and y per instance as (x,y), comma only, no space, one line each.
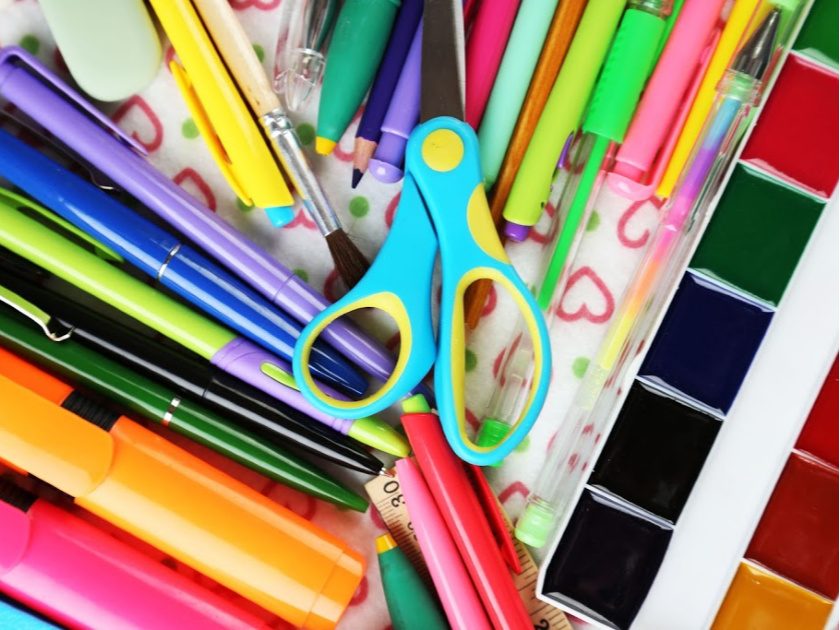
(739,19)
(221,115)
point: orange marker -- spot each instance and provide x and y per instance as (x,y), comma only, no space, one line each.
(172,500)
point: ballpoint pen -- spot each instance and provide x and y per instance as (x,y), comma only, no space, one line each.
(178,369)
(560,475)
(222,118)
(81,576)
(136,393)
(641,160)
(51,103)
(380,98)
(630,61)
(561,116)
(239,56)
(28,238)
(301,55)
(170,261)
(174,501)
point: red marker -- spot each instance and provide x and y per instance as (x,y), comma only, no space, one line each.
(456,499)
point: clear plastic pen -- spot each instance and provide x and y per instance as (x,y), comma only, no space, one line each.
(570,457)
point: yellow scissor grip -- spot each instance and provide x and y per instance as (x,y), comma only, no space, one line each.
(442,150)
(457,371)
(385,301)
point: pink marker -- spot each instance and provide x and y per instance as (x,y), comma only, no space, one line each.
(79,576)
(641,161)
(452,582)
(485,48)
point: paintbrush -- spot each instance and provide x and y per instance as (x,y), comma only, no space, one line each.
(238,53)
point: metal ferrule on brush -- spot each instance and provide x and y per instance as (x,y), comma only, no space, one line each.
(288,150)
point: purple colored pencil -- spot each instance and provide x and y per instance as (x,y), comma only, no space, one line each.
(401,119)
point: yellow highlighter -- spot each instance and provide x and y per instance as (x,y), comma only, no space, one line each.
(235,140)
(739,19)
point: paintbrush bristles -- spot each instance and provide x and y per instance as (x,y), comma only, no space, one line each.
(350,263)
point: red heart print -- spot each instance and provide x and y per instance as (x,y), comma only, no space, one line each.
(585,276)
(391,210)
(339,153)
(376,517)
(361,593)
(331,288)
(634,242)
(139,118)
(193,183)
(490,301)
(553,226)
(517,487)
(301,219)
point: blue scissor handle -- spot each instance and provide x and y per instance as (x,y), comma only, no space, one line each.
(442,156)
(398,282)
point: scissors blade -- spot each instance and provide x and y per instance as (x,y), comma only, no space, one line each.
(442,67)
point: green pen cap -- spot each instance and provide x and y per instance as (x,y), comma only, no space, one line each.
(491,433)
(410,604)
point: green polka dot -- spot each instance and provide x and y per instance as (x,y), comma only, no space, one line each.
(189,129)
(524,445)
(594,222)
(301,273)
(30,44)
(470,360)
(306,133)
(260,52)
(579,366)
(243,206)
(359,206)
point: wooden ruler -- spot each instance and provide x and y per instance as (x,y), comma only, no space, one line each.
(386,496)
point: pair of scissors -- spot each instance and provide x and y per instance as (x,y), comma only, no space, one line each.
(443,205)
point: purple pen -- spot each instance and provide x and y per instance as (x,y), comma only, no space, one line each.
(368,133)
(402,117)
(41,95)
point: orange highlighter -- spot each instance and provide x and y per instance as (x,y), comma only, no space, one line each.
(158,492)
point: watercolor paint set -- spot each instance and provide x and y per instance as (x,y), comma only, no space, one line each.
(678,524)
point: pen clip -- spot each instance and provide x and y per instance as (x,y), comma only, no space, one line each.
(14,56)
(37,315)
(205,128)
(41,214)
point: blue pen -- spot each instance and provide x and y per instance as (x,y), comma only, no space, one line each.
(159,254)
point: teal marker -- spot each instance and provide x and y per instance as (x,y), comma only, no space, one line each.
(358,42)
(512,81)
(410,604)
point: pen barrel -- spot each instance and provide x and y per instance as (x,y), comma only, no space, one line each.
(80,576)
(457,502)
(288,150)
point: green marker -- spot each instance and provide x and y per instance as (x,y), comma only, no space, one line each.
(137,394)
(561,115)
(29,238)
(631,60)
(358,42)
(410,604)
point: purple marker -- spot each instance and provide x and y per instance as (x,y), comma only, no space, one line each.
(39,93)
(367,135)
(402,117)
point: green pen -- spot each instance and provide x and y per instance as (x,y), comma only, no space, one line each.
(561,116)
(410,604)
(29,238)
(358,43)
(631,60)
(135,393)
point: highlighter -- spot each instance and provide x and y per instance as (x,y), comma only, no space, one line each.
(79,576)
(410,604)
(221,115)
(172,500)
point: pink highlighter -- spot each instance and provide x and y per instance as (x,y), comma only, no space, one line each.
(641,161)
(79,576)
(452,581)
(484,51)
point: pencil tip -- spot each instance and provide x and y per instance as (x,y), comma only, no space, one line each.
(357,177)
